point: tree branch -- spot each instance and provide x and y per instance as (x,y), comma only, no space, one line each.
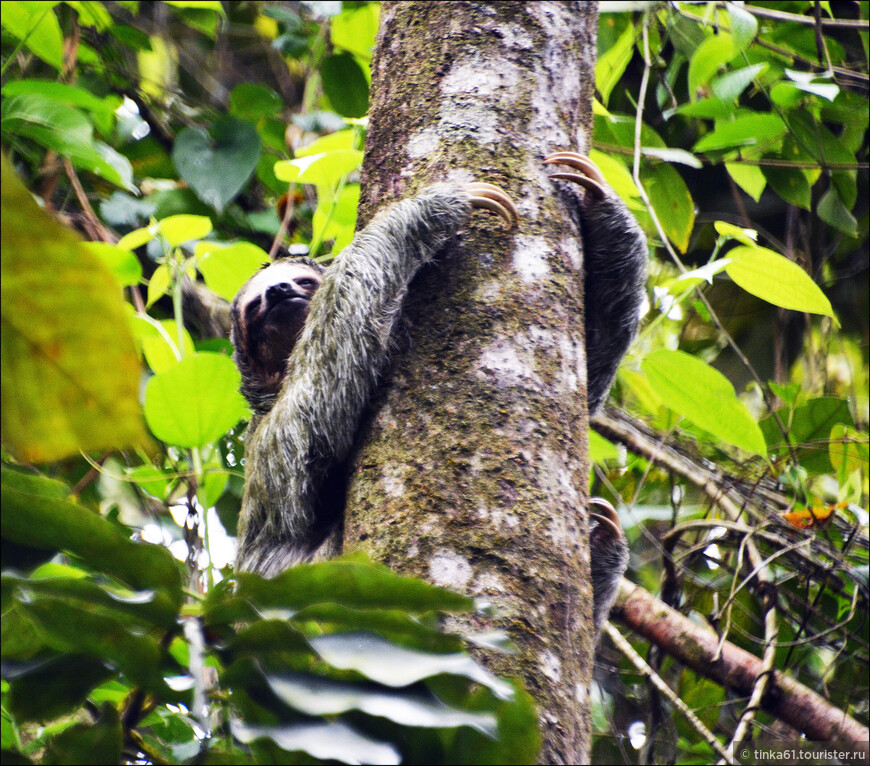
(696,647)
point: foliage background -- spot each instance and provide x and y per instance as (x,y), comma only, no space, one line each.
(164,134)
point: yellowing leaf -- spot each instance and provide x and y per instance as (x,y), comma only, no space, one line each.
(70,375)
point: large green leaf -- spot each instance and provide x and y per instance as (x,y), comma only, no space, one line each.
(352,580)
(326,740)
(345,85)
(809,428)
(394,666)
(791,184)
(318,696)
(612,63)
(65,130)
(217,165)
(708,58)
(70,376)
(672,202)
(100,742)
(196,401)
(48,687)
(777,280)
(703,395)
(745,130)
(34,515)
(226,268)
(354,29)
(37,26)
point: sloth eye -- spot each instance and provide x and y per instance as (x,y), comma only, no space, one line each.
(306,284)
(253,307)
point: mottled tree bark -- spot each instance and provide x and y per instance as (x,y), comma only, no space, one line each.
(473,467)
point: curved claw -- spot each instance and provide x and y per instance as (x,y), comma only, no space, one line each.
(608,518)
(491,197)
(592,179)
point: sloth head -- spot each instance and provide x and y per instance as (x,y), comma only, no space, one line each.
(268,315)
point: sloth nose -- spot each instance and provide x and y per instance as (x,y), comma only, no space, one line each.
(279,291)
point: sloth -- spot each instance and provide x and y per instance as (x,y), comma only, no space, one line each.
(311,345)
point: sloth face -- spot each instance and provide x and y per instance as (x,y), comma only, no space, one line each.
(268,314)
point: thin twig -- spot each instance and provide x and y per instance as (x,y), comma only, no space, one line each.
(656,680)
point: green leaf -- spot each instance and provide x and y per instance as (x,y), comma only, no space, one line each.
(809,427)
(715,52)
(120,261)
(777,280)
(672,202)
(333,741)
(618,178)
(747,177)
(352,580)
(817,140)
(196,401)
(70,375)
(217,165)
(146,608)
(250,101)
(183,228)
(345,85)
(729,86)
(612,63)
(137,238)
(746,237)
(848,452)
(703,273)
(47,688)
(34,515)
(341,139)
(600,449)
(159,284)
(322,169)
(101,742)
(62,93)
(833,212)
(708,108)
(743,24)
(316,696)
(703,395)
(745,130)
(69,628)
(680,156)
(342,223)
(37,25)
(354,30)
(395,666)
(790,184)
(226,268)
(66,131)
(160,343)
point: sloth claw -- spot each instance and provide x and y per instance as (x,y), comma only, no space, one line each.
(591,179)
(491,197)
(608,518)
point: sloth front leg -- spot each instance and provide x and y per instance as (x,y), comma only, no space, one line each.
(614,260)
(333,369)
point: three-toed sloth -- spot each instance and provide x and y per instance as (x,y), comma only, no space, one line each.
(311,345)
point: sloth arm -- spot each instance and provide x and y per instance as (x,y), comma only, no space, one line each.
(615,262)
(334,368)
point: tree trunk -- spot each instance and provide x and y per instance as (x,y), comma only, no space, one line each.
(473,468)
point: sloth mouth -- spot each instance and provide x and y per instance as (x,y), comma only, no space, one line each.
(290,302)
